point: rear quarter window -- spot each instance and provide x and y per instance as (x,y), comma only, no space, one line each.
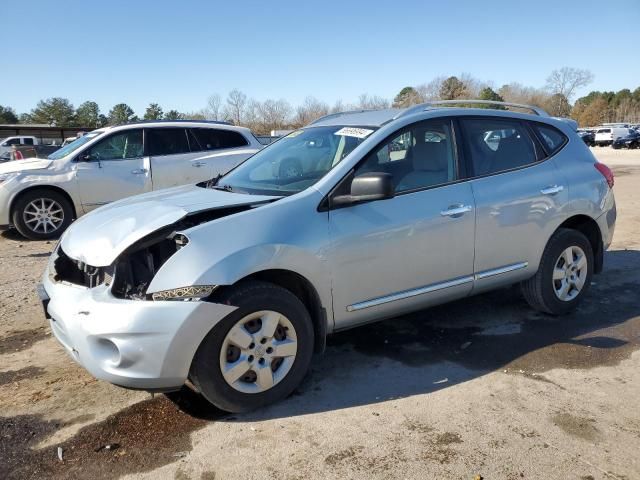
(552,138)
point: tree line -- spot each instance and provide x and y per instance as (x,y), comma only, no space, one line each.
(262,117)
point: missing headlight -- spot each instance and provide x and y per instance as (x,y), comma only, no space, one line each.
(137,266)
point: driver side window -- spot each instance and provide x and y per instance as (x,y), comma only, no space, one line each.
(120,146)
(419,156)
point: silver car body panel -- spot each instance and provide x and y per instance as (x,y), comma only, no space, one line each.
(366,262)
(131,219)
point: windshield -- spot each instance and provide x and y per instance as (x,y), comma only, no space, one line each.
(296,161)
(73,146)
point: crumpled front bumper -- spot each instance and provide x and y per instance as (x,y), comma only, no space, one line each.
(132,343)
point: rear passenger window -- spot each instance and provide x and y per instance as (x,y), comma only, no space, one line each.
(215,139)
(27,141)
(496,145)
(167,141)
(553,139)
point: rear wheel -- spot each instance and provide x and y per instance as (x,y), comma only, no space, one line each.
(564,275)
(259,353)
(42,214)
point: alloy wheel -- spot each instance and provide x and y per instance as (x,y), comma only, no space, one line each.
(43,215)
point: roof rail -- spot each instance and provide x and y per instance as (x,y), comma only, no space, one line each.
(339,114)
(185,120)
(424,106)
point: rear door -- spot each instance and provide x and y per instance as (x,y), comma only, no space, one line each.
(173,154)
(112,169)
(221,149)
(518,192)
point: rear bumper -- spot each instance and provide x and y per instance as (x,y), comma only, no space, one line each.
(135,344)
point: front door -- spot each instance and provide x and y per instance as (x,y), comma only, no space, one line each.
(112,169)
(400,254)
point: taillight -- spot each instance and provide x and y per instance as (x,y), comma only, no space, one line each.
(606,173)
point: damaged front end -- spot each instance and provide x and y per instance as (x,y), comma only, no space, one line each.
(130,275)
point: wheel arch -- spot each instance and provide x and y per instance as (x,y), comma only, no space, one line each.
(590,229)
(302,288)
(54,188)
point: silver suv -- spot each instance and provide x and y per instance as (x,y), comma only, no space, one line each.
(232,284)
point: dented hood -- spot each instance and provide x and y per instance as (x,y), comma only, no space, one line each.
(100,236)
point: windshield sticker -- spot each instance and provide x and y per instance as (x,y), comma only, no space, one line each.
(295,133)
(354,132)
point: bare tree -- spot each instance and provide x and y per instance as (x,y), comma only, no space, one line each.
(213,110)
(274,115)
(366,102)
(236,102)
(567,80)
(309,111)
(338,107)
(517,93)
(431,90)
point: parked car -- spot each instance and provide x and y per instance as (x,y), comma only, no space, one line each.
(231,285)
(23,152)
(589,138)
(6,145)
(631,140)
(606,135)
(41,197)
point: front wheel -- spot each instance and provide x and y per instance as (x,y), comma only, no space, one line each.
(259,353)
(42,214)
(564,274)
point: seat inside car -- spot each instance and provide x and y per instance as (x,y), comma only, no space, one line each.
(431,162)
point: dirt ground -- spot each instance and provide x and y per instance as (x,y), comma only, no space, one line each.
(483,386)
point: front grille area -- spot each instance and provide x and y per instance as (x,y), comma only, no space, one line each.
(66,269)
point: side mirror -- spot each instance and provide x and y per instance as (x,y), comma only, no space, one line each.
(85,157)
(366,188)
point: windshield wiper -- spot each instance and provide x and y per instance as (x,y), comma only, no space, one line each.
(226,188)
(213,184)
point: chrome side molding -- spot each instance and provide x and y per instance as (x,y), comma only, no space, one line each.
(374,302)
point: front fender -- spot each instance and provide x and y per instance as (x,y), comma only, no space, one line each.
(289,234)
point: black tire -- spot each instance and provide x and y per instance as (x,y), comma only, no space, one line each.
(18,214)
(539,290)
(250,297)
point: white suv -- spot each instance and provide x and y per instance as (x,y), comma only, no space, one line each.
(41,197)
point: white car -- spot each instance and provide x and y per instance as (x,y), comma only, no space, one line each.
(8,142)
(606,135)
(41,197)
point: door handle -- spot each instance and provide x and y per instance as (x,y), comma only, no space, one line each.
(139,171)
(552,190)
(456,210)
(198,164)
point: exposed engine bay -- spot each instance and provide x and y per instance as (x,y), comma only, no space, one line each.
(134,269)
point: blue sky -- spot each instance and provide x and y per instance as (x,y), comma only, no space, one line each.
(178,53)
